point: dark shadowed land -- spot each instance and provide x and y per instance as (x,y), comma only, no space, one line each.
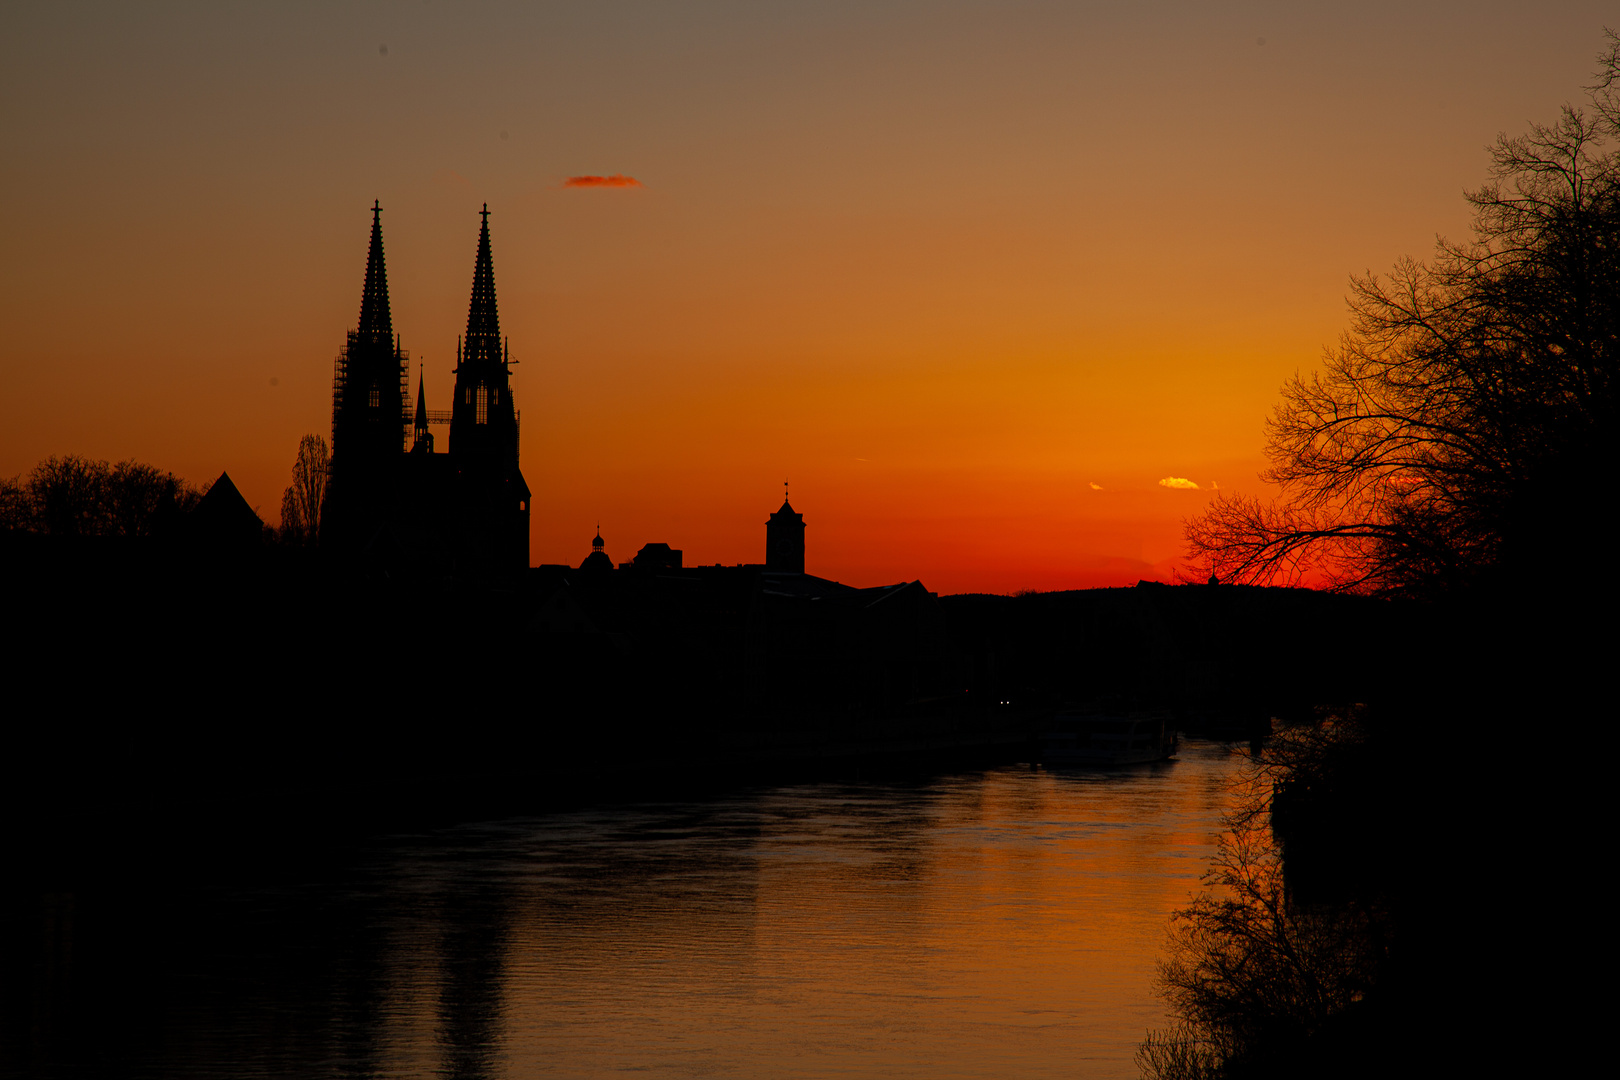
(1433,905)
(234,715)
(189,693)
(181,710)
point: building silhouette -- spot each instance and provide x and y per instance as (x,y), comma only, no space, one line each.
(597,561)
(784,540)
(655,557)
(368,400)
(462,512)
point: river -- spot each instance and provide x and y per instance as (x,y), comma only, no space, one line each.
(998,923)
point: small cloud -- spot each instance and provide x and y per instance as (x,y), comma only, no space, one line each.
(1213,486)
(1094,485)
(614,181)
(449,178)
(1180,483)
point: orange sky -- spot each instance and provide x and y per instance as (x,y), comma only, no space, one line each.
(944,266)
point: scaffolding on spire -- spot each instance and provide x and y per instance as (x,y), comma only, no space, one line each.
(370,378)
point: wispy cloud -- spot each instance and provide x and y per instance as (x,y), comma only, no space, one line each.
(1180,483)
(614,181)
(1094,485)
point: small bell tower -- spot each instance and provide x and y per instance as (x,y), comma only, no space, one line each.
(784,539)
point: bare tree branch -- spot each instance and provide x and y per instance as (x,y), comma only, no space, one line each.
(1419,456)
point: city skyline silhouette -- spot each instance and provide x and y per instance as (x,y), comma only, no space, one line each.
(978,317)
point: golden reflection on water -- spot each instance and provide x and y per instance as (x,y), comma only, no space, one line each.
(994,924)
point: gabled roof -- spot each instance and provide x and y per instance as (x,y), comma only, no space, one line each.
(223,513)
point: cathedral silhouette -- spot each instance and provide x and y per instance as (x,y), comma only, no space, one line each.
(393,509)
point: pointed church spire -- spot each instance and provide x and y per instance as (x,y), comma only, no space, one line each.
(422,438)
(376,322)
(483,322)
(483,420)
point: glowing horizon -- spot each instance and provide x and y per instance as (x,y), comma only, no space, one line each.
(1006,293)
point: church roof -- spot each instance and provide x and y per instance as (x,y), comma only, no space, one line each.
(223,514)
(375,318)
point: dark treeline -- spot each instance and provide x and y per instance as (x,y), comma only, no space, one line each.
(76,496)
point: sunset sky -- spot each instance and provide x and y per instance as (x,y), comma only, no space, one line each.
(975,278)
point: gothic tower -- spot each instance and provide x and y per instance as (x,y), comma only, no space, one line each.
(482,421)
(494,499)
(368,411)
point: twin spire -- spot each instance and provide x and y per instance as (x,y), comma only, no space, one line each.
(464,513)
(483,319)
(482,415)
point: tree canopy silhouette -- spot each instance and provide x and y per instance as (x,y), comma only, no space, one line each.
(1460,429)
(76,496)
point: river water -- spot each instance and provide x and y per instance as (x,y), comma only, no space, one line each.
(1000,923)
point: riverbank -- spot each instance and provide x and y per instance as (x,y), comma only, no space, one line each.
(1454,825)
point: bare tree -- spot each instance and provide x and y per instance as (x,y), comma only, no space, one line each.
(1472,397)
(135,495)
(16,507)
(69,495)
(301,502)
